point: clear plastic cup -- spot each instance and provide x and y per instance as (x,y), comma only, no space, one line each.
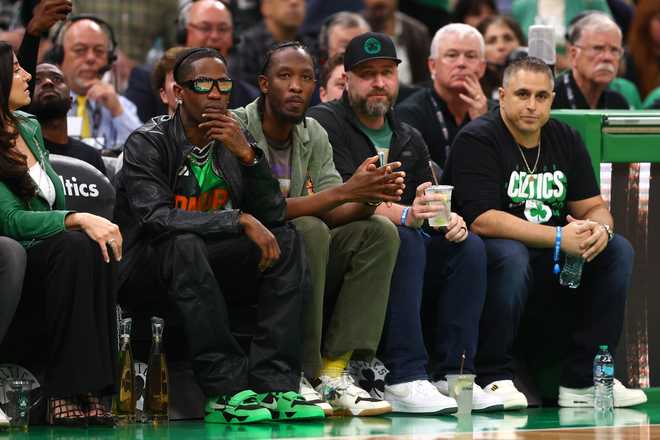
(443,193)
(460,388)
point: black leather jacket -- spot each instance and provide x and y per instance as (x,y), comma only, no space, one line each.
(144,210)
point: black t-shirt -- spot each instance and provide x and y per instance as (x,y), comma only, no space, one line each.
(79,150)
(420,111)
(487,170)
(569,96)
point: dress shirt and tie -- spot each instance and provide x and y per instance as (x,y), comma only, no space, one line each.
(98,122)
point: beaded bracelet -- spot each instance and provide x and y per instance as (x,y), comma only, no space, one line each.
(555,268)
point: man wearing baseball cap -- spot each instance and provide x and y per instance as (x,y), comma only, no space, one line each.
(446,268)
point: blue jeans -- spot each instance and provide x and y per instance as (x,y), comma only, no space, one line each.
(594,311)
(451,278)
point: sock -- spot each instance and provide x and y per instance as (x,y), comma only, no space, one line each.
(333,367)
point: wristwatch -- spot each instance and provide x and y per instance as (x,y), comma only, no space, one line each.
(610,232)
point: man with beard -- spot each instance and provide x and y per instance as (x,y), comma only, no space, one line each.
(457,63)
(50,105)
(352,252)
(410,36)
(454,284)
(204,222)
(595,50)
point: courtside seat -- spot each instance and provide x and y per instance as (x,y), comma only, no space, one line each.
(86,189)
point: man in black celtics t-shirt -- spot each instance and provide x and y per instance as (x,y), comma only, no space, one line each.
(204,225)
(521,181)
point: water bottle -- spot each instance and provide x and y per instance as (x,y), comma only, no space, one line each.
(571,272)
(603,380)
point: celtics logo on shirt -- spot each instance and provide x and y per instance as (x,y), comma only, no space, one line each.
(543,194)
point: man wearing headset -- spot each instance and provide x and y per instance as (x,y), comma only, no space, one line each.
(208,23)
(85,53)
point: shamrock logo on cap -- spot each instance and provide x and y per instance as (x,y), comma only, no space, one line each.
(372,46)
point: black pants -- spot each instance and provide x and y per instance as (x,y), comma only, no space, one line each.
(12,269)
(68,303)
(203,279)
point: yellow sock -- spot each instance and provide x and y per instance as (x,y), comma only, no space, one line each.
(333,367)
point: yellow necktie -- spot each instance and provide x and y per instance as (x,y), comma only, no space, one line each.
(82,112)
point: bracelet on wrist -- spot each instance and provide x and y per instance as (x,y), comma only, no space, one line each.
(404,216)
(555,258)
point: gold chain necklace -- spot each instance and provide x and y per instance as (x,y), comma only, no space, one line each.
(531,171)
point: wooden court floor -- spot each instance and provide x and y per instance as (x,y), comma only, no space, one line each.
(642,422)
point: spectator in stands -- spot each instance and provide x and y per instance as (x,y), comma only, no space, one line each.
(473,12)
(454,284)
(85,53)
(501,35)
(533,189)
(337,31)
(410,37)
(343,238)
(595,50)
(208,23)
(162,78)
(282,21)
(333,80)
(204,221)
(50,105)
(644,43)
(558,14)
(68,290)
(457,63)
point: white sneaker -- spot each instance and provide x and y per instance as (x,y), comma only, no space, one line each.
(349,399)
(584,397)
(4,420)
(418,396)
(508,394)
(311,396)
(481,401)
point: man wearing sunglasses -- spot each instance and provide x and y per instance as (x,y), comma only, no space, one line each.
(595,50)
(206,227)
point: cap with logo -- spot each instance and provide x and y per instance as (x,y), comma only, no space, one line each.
(369,46)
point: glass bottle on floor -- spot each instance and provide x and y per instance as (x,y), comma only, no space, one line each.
(123,403)
(156,393)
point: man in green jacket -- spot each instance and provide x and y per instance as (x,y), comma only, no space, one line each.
(352,252)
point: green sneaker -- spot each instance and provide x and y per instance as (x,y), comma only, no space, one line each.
(242,407)
(289,405)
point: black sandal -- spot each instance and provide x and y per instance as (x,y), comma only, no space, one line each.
(65,412)
(96,413)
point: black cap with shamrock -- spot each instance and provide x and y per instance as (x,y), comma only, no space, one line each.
(369,46)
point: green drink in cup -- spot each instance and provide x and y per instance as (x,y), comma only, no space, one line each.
(442,194)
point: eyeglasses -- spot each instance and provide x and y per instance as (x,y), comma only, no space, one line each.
(207,28)
(205,85)
(594,51)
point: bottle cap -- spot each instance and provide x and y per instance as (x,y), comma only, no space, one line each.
(603,347)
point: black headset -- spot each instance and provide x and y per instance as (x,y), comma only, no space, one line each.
(181,24)
(56,54)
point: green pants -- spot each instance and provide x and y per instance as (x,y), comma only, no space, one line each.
(351,269)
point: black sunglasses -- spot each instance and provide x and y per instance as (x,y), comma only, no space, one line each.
(205,85)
